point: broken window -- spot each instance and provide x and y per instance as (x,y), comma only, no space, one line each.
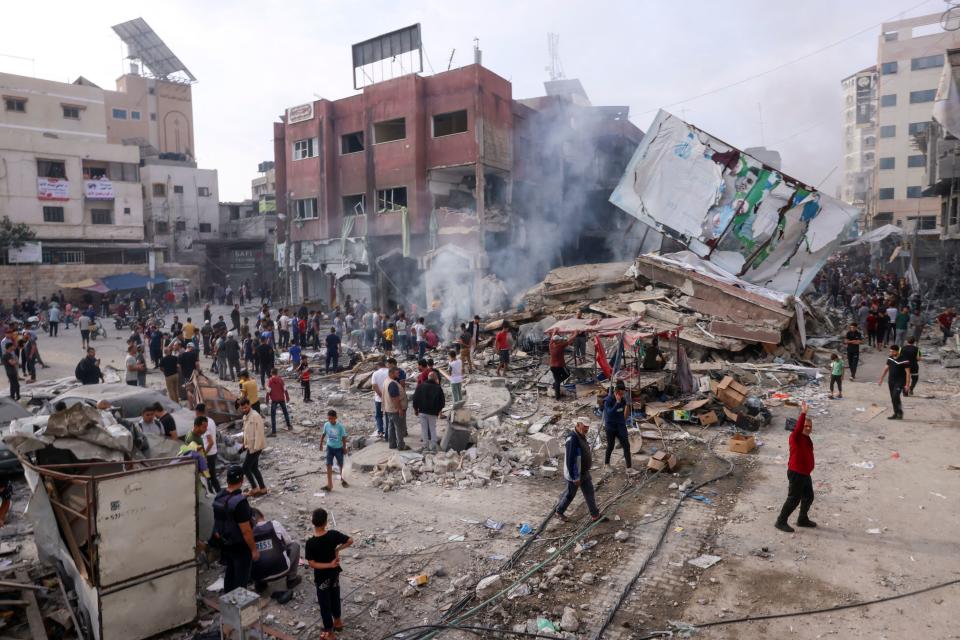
(305,148)
(234,212)
(205,227)
(354,205)
(305,208)
(51,169)
(159,190)
(389,130)
(392,199)
(445,124)
(181,225)
(351,142)
(161,227)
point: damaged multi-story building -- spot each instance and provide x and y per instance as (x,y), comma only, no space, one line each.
(423,188)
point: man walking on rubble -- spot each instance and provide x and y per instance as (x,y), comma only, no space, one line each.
(799,468)
(853,340)
(376,383)
(558,363)
(615,412)
(898,380)
(576,471)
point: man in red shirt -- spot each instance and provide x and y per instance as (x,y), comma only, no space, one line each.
(502,345)
(945,320)
(558,364)
(278,395)
(799,468)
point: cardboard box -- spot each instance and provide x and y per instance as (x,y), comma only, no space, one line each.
(730,392)
(662,460)
(708,417)
(742,444)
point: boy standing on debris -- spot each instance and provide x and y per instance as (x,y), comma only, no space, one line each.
(502,343)
(303,371)
(799,468)
(456,376)
(335,436)
(836,375)
(322,553)
(898,380)
(576,470)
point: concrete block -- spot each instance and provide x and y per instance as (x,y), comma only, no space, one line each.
(546,445)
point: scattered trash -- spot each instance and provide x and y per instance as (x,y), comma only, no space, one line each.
(875,532)
(703,499)
(762,552)
(705,561)
(580,547)
(866,464)
(418,581)
(217,585)
(493,524)
(525,529)
(545,625)
(621,536)
(456,539)
(939,495)
(895,455)
(519,591)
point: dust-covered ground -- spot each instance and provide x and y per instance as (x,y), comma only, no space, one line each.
(887,500)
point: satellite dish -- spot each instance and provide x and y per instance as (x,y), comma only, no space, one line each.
(950,20)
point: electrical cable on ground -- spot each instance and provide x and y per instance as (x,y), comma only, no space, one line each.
(808,612)
(656,548)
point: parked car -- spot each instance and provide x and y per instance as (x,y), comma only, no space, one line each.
(130,400)
(10,410)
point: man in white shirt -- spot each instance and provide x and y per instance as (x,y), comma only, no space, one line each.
(149,424)
(420,330)
(376,381)
(209,446)
(83,323)
(283,323)
(131,365)
(279,556)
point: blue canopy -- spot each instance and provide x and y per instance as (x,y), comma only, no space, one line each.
(125,281)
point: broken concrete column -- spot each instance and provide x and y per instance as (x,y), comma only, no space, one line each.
(456,437)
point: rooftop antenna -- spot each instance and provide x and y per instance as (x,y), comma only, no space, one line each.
(477,54)
(555,68)
(450,61)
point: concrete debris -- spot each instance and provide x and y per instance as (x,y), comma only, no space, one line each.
(569,620)
(489,586)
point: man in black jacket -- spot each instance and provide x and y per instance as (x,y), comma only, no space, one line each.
(266,359)
(88,369)
(428,402)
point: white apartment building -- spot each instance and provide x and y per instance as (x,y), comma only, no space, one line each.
(859,136)
(181,208)
(910,58)
(59,174)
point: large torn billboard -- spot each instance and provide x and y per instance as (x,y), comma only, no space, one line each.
(730,208)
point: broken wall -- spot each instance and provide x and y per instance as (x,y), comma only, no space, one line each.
(728,207)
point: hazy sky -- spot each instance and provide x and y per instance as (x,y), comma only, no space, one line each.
(253,59)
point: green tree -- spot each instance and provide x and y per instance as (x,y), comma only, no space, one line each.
(14,235)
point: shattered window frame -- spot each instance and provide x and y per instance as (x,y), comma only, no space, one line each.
(385,126)
(348,142)
(389,197)
(305,148)
(306,209)
(349,202)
